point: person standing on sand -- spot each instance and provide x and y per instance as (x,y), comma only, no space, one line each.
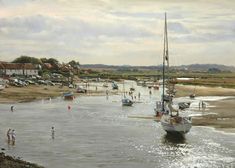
(12,108)
(52,132)
(8,135)
(107,94)
(139,95)
(13,137)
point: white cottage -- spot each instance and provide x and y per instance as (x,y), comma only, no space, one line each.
(18,69)
(30,69)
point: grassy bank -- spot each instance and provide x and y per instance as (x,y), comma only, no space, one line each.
(222,79)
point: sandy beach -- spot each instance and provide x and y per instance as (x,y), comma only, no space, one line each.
(37,92)
(186,90)
(219,115)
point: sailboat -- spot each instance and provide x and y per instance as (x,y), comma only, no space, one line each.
(125,100)
(171,119)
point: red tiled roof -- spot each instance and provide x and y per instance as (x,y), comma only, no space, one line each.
(1,66)
(17,66)
(29,66)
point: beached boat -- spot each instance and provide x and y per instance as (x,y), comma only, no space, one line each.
(68,96)
(156,86)
(114,86)
(192,96)
(171,119)
(184,105)
(126,101)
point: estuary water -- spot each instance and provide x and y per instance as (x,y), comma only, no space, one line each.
(98,133)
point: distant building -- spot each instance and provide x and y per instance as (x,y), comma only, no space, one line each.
(30,69)
(25,69)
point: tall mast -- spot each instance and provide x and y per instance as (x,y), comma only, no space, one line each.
(165,58)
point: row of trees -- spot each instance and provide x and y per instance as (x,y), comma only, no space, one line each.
(52,61)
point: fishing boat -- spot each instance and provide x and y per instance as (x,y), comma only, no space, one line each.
(172,120)
(68,96)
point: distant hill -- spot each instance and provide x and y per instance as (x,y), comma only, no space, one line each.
(205,67)
(192,67)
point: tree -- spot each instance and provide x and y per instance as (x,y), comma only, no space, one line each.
(44,60)
(74,64)
(27,59)
(53,61)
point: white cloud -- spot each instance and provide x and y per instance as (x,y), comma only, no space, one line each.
(117,32)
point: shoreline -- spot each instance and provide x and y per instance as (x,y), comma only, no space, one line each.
(38,92)
(7,161)
(220,115)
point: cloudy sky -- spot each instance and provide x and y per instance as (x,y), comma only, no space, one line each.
(118,31)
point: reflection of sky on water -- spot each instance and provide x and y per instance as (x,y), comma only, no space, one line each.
(98,133)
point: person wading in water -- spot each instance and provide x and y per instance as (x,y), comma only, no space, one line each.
(52,132)
(13,137)
(8,135)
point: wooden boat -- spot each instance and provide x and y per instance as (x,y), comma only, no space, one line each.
(68,96)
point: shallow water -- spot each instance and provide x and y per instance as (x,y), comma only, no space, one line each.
(97,132)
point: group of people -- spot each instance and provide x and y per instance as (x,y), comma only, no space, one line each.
(133,96)
(11,136)
(202,105)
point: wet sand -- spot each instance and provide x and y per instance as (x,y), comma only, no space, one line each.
(186,90)
(223,117)
(38,92)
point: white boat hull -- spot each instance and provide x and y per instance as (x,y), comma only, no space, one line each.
(182,127)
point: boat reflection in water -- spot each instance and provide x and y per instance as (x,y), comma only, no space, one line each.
(174,139)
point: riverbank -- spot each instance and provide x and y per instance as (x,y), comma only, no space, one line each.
(38,92)
(186,90)
(220,115)
(10,162)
